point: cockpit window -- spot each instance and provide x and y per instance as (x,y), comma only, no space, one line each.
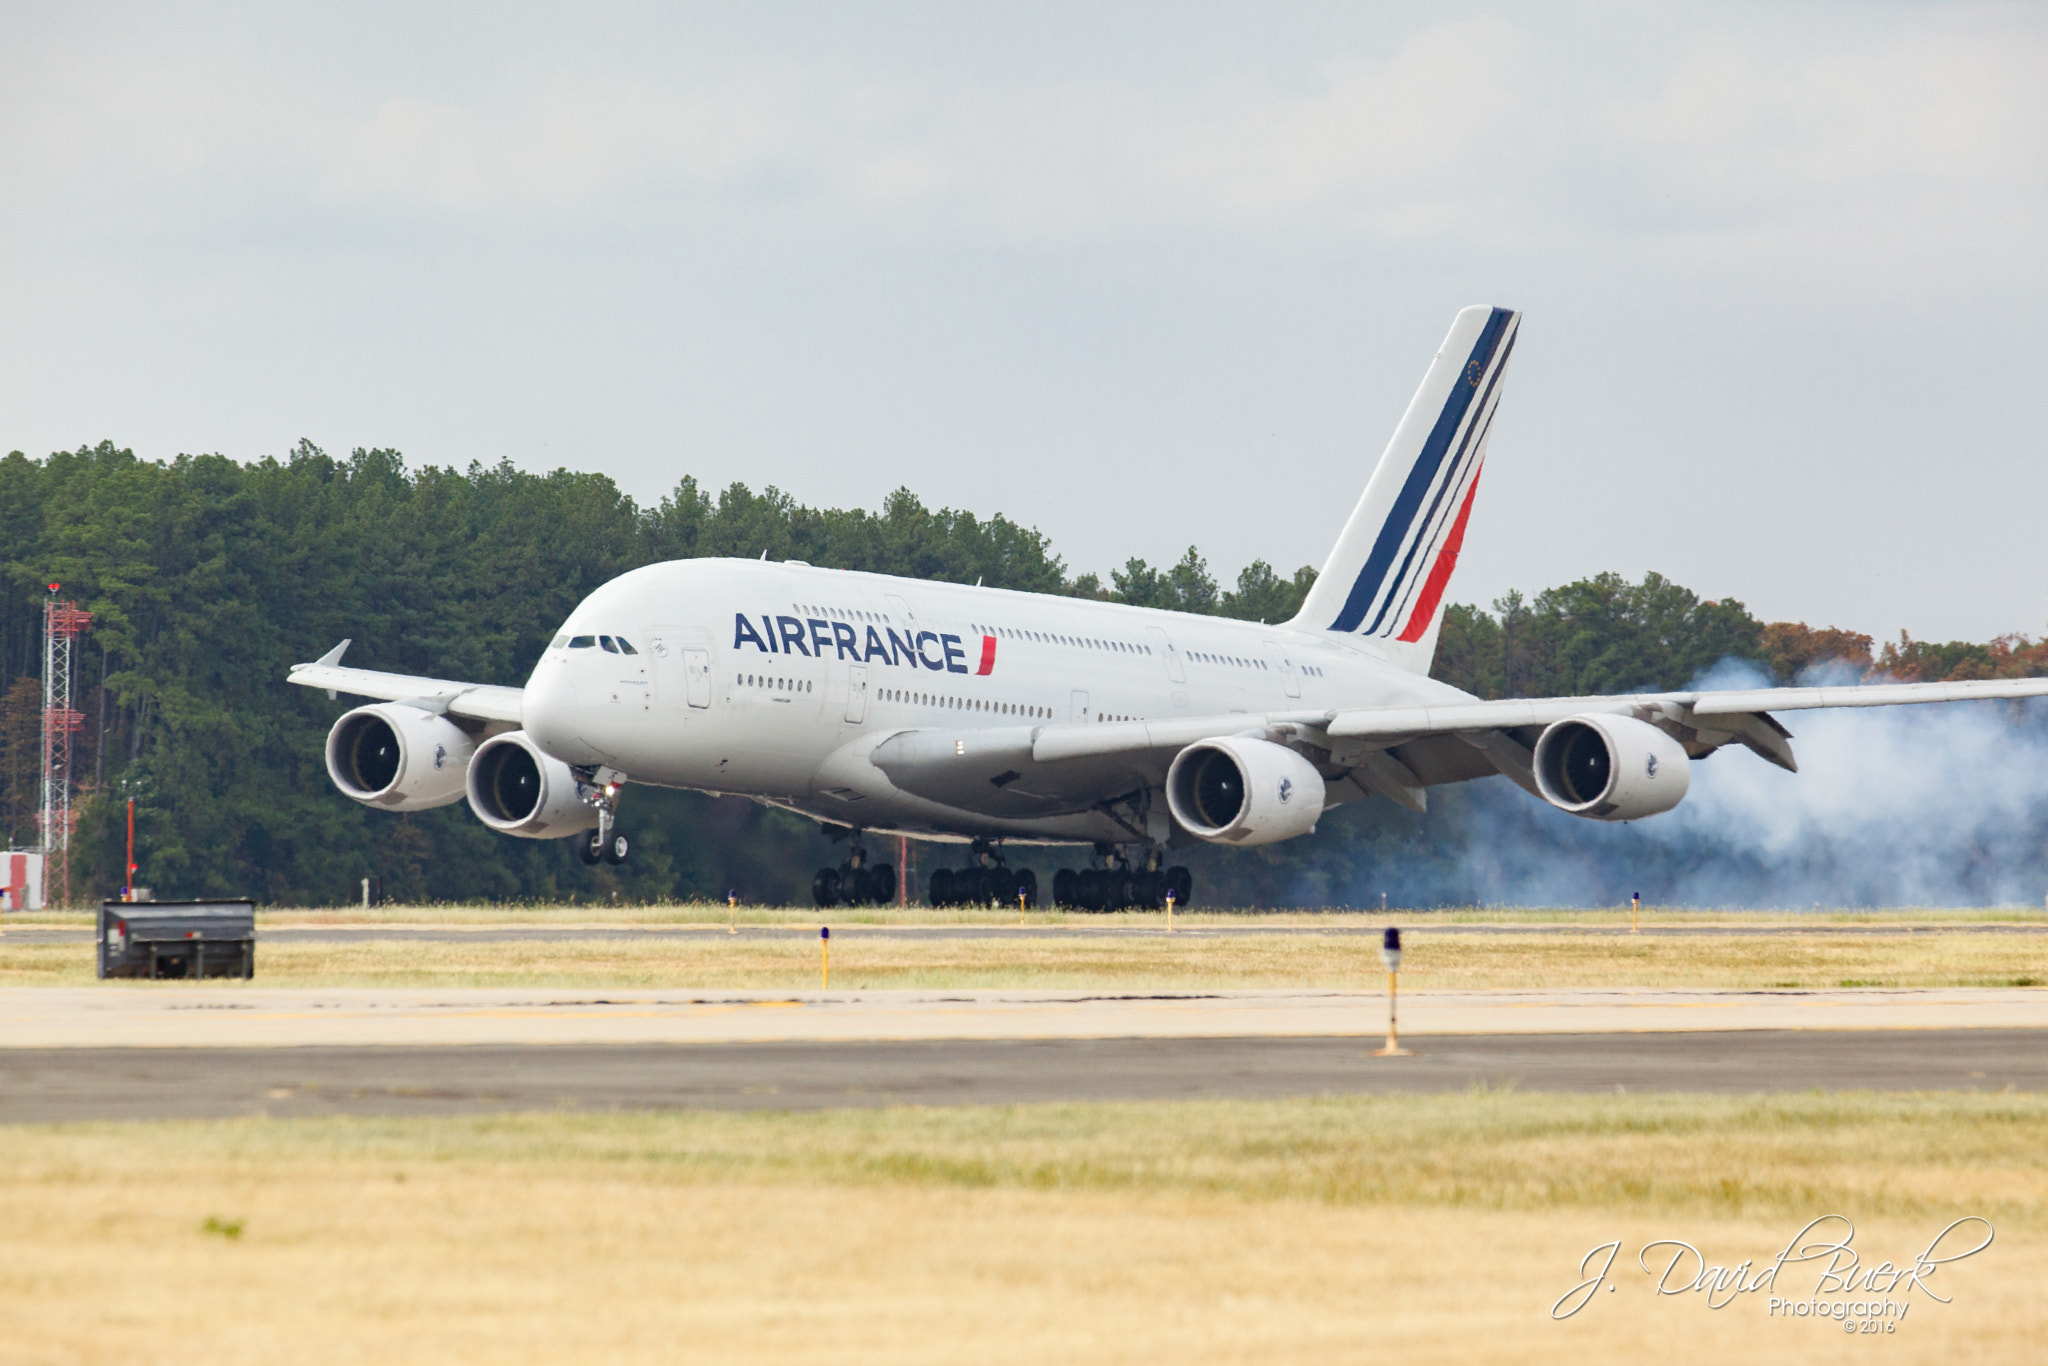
(582,642)
(558,642)
(626,646)
(606,641)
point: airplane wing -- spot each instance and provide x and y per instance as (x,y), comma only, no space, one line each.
(1395,751)
(475,701)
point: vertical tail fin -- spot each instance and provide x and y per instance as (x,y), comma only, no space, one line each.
(1384,581)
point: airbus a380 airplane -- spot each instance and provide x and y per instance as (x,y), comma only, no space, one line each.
(885,705)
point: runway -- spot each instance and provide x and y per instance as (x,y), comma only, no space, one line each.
(1418,928)
(188,1050)
(53,1085)
(192,1015)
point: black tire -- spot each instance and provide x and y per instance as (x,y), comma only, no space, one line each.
(1063,889)
(1116,890)
(589,849)
(825,888)
(981,886)
(942,887)
(1181,883)
(1088,889)
(617,848)
(1027,884)
(881,884)
(1148,889)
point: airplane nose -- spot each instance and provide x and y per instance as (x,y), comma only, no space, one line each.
(547,709)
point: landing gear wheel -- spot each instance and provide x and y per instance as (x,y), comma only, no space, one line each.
(881,884)
(590,847)
(1027,887)
(942,887)
(1064,893)
(1181,883)
(825,887)
(616,848)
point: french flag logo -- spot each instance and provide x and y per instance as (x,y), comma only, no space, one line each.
(988,655)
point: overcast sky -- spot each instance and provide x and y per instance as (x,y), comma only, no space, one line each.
(1139,275)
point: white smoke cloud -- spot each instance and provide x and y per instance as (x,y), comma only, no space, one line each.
(1939,805)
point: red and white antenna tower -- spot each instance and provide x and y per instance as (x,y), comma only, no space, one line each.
(62,624)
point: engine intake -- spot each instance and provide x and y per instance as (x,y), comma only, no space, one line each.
(1237,790)
(517,788)
(398,757)
(1610,768)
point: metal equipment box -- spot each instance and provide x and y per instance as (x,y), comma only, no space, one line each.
(190,939)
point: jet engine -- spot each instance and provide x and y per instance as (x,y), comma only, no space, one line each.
(516,788)
(1610,768)
(1242,791)
(398,757)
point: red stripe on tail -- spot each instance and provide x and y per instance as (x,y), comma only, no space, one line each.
(988,655)
(1440,572)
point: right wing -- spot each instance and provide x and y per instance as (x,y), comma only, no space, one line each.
(1399,751)
(476,701)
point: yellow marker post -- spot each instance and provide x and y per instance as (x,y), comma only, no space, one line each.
(1020,907)
(825,957)
(1169,912)
(1635,906)
(1390,950)
(732,912)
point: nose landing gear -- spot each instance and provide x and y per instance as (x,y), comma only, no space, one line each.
(604,844)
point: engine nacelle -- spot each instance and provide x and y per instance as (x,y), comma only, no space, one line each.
(516,788)
(1241,791)
(1610,768)
(398,757)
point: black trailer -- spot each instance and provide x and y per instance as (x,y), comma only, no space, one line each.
(189,939)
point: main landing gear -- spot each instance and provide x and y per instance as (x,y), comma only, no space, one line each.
(1113,885)
(604,844)
(854,883)
(987,881)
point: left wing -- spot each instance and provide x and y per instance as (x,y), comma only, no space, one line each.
(476,701)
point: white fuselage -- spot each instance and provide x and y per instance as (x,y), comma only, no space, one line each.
(775,680)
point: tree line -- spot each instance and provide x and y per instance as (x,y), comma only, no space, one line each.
(208,578)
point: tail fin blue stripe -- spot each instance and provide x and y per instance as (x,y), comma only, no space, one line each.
(1402,516)
(1433,524)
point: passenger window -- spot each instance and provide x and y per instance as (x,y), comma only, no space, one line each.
(609,648)
(626,646)
(582,642)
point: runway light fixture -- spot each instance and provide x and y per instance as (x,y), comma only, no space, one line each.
(1390,951)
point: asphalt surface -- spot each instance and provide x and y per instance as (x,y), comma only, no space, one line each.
(75,1084)
(1421,927)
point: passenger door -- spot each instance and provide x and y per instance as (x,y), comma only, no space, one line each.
(697,677)
(856,693)
(1079,708)
(682,666)
(1290,676)
(1170,656)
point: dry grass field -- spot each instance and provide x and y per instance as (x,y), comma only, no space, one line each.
(1403,1229)
(1185,960)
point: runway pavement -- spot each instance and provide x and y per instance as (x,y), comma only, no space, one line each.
(41,1085)
(1419,927)
(182,1015)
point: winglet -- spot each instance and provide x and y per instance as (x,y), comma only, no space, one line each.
(333,656)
